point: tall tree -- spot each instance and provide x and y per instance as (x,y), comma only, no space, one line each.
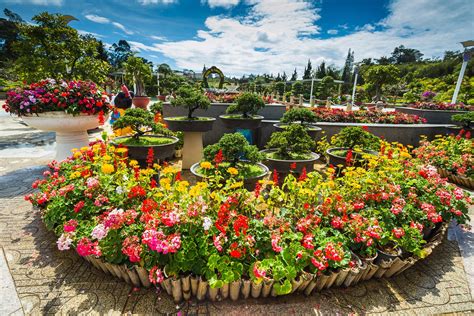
(284,77)
(403,55)
(294,76)
(308,70)
(321,71)
(380,75)
(347,71)
(119,53)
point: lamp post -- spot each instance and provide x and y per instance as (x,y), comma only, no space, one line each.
(356,74)
(466,57)
(311,103)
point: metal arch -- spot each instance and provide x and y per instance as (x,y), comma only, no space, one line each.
(213,70)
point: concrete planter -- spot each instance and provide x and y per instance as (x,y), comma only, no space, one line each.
(431,116)
(187,125)
(283,166)
(71,131)
(241,122)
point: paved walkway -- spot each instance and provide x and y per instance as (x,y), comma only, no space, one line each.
(36,278)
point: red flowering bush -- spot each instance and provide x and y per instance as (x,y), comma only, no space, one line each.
(74,97)
(362,116)
(441,106)
(101,204)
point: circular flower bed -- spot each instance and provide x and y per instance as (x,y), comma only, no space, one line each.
(103,205)
(362,116)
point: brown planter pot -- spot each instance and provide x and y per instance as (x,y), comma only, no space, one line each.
(141,102)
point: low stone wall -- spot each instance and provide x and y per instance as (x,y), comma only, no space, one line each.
(270,112)
(431,116)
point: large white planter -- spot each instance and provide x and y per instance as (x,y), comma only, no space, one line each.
(71,131)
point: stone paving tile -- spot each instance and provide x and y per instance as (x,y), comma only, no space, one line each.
(52,282)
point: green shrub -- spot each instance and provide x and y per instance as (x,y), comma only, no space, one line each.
(192,99)
(141,122)
(247,104)
(235,148)
(303,115)
(292,143)
(465,119)
(350,137)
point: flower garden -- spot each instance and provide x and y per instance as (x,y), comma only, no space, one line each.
(373,213)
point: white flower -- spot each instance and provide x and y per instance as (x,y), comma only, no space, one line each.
(125,177)
(207,223)
(99,232)
(119,190)
(64,242)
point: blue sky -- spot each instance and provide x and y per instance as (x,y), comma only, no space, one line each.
(250,36)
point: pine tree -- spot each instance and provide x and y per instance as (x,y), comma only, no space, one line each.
(347,71)
(321,72)
(294,76)
(204,69)
(284,77)
(308,70)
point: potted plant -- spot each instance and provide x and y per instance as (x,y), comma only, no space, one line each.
(290,150)
(302,116)
(191,99)
(348,146)
(142,123)
(67,108)
(232,157)
(137,71)
(463,121)
(243,114)
(157,109)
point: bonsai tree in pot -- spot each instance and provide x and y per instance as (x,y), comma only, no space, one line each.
(138,71)
(302,116)
(146,135)
(290,151)
(190,99)
(243,114)
(232,157)
(348,146)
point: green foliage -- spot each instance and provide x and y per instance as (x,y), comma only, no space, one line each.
(235,148)
(280,87)
(51,48)
(137,71)
(465,119)
(294,140)
(350,137)
(156,108)
(141,122)
(192,99)
(380,75)
(303,115)
(297,88)
(247,104)
(326,87)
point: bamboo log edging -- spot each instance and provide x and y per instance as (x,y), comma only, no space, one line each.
(466,182)
(186,287)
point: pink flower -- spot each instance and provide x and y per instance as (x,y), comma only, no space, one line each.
(64,242)
(99,232)
(458,193)
(156,275)
(92,182)
(86,248)
(258,273)
(70,226)
(132,248)
(398,232)
(307,241)
(275,240)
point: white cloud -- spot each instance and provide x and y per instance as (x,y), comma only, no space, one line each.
(82,32)
(138,47)
(122,27)
(158,38)
(221,3)
(279,35)
(38,2)
(97,18)
(147,2)
(333,32)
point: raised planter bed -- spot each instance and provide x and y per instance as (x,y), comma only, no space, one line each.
(187,287)
(463,181)
(431,116)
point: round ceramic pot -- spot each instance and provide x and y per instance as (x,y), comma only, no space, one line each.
(244,123)
(186,125)
(249,183)
(140,153)
(141,102)
(71,131)
(385,256)
(339,160)
(283,167)
(312,130)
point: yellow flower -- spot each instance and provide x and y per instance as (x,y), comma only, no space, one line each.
(156,166)
(85,148)
(75,175)
(233,171)
(405,154)
(121,150)
(77,154)
(169,169)
(206,165)
(107,168)
(237,185)
(165,183)
(133,163)
(107,157)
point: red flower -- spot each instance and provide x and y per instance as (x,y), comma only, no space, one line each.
(149,205)
(235,253)
(258,188)
(293,166)
(136,191)
(275,177)
(349,157)
(101,118)
(303,175)
(78,207)
(178,176)
(241,225)
(219,157)
(398,232)
(150,157)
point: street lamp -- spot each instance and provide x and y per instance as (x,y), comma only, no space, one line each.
(468,51)
(356,74)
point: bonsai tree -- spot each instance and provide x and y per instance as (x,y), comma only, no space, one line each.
(293,143)
(138,71)
(247,104)
(302,115)
(157,108)
(351,137)
(140,122)
(465,119)
(191,99)
(380,75)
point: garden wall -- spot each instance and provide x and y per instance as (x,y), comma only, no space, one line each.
(431,116)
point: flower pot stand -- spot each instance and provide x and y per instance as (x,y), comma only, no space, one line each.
(192,148)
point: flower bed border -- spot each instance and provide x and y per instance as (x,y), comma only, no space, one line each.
(466,182)
(186,287)
(431,116)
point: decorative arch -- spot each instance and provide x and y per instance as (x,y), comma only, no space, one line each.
(213,70)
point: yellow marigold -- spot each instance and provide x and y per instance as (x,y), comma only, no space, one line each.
(233,171)
(206,165)
(237,185)
(107,157)
(133,163)
(182,186)
(77,154)
(156,166)
(85,148)
(165,183)
(169,169)
(404,154)
(107,168)
(121,150)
